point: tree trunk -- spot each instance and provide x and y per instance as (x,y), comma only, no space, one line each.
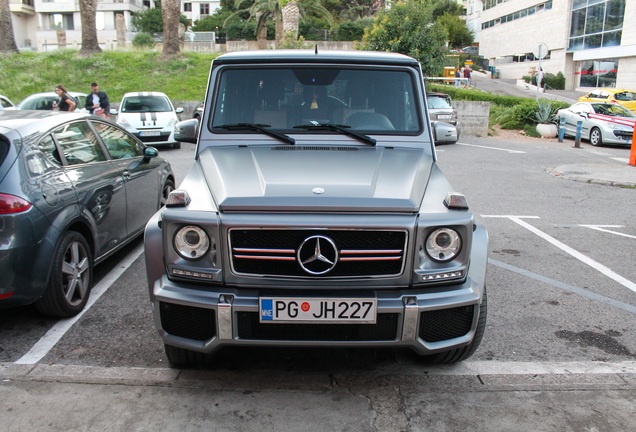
(170,11)
(88,11)
(120,25)
(7,37)
(278,20)
(261,35)
(291,17)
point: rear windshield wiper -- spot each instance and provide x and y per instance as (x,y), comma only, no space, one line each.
(257,127)
(340,128)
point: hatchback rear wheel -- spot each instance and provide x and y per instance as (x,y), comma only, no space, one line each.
(70,279)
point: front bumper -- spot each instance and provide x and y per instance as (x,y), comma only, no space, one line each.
(425,320)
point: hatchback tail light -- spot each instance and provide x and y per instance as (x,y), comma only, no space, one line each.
(10,204)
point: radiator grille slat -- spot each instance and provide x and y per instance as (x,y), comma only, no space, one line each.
(275,252)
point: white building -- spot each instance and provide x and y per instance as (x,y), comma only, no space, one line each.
(199,9)
(35,22)
(592,42)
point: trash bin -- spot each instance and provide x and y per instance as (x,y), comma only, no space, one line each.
(496,73)
(492,71)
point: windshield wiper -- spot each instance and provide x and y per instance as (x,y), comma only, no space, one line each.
(257,127)
(337,127)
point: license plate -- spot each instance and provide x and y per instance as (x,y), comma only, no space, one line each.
(444,116)
(149,133)
(317,310)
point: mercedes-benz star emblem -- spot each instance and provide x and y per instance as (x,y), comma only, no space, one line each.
(317,255)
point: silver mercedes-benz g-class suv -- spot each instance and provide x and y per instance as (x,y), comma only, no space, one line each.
(315,215)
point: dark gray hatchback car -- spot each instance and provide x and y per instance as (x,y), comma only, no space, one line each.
(73,189)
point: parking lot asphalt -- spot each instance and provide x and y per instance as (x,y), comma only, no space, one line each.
(612,174)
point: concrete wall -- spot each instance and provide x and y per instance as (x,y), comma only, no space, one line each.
(473,117)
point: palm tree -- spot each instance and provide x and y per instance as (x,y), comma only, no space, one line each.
(7,37)
(171,11)
(88,11)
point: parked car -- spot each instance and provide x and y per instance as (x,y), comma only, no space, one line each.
(44,101)
(74,189)
(626,98)
(440,109)
(603,123)
(315,214)
(150,116)
(5,103)
(198,111)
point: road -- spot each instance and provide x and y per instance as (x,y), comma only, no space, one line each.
(559,351)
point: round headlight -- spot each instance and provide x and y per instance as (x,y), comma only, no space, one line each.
(443,244)
(191,242)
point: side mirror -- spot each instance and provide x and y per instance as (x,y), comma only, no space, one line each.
(179,110)
(150,152)
(187,131)
(113,111)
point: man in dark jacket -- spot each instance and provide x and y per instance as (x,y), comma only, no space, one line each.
(97,102)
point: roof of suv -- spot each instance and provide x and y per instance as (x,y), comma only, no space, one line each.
(315,56)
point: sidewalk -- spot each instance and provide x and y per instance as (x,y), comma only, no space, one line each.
(509,87)
(543,397)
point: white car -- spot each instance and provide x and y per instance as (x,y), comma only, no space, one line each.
(5,103)
(150,116)
(602,123)
(44,101)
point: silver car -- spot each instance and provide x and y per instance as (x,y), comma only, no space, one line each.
(602,123)
(315,214)
(73,189)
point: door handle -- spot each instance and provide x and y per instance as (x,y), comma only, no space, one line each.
(126,175)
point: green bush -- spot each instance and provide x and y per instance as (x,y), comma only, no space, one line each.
(143,40)
(351,30)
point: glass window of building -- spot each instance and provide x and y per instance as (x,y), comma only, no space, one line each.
(596,24)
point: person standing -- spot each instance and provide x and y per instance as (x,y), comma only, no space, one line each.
(97,102)
(65,101)
(540,78)
(467,76)
(458,76)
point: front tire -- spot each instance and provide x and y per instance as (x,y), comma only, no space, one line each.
(459,354)
(168,187)
(596,138)
(70,279)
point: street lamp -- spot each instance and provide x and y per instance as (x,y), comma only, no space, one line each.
(541,44)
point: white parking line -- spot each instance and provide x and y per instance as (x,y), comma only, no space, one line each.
(602,228)
(55,333)
(491,148)
(567,249)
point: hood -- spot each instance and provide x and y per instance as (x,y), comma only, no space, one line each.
(149,120)
(316,178)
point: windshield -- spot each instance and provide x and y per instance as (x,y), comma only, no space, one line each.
(438,102)
(613,110)
(288,99)
(146,104)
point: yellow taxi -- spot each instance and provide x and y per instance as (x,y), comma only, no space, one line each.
(627,98)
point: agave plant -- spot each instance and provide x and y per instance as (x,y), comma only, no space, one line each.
(545,113)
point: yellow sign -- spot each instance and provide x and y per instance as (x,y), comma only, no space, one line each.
(468,62)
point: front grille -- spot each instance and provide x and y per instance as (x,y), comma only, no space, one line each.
(187,321)
(444,324)
(359,253)
(385,329)
(623,134)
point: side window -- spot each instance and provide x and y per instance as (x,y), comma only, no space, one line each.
(49,150)
(120,145)
(78,143)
